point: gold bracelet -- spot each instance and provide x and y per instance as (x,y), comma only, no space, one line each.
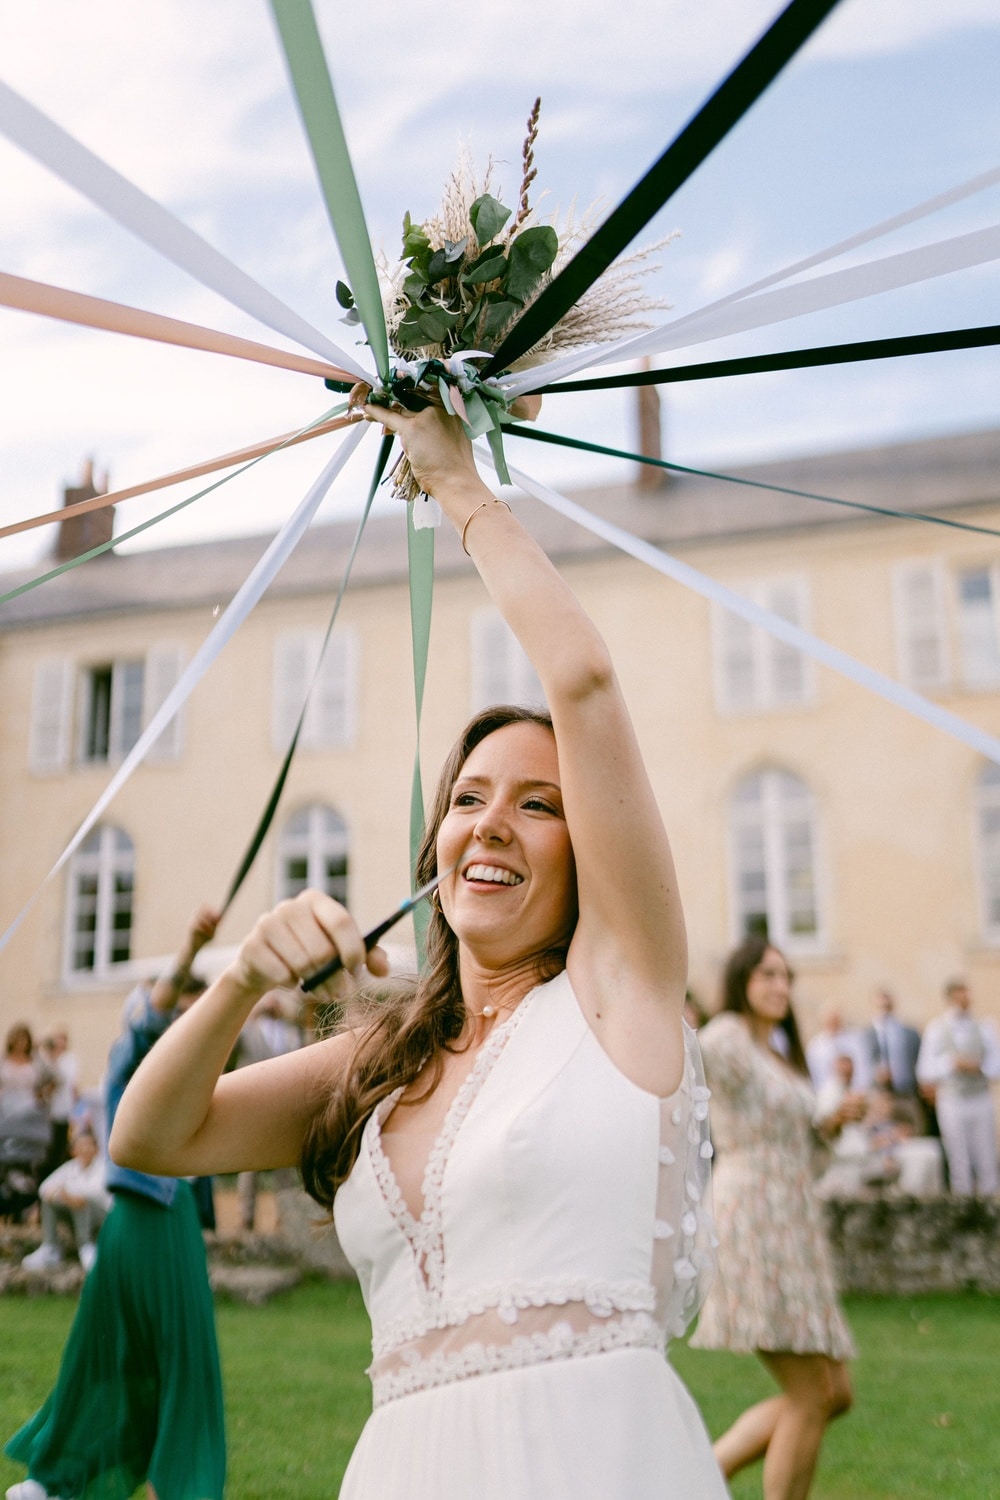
(481,506)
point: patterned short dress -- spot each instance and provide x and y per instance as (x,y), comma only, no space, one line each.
(774,1288)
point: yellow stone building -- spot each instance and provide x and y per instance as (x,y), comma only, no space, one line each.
(868,841)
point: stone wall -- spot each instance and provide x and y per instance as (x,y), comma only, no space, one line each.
(904,1246)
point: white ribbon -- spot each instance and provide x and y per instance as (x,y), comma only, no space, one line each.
(628,348)
(148,220)
(229,622)
(793,635)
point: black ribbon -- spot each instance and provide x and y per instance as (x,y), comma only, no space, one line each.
(792,359)
(724,109)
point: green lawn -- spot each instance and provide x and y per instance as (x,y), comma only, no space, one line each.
(926,1425)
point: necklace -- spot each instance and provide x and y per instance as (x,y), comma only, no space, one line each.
(489,1011)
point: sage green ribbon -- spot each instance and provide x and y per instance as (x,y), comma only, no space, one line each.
(518,430)
(267,816)
(321,118)
(164,515)
(420,547)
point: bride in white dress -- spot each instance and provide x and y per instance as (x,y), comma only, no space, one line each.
(515,1148)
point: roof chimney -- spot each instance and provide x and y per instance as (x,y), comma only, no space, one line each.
(78,534)
(649,435)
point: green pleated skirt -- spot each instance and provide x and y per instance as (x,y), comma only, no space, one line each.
(139,1391)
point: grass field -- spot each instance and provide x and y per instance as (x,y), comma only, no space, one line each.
(926,1425)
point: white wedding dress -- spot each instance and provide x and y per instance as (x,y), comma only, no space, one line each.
(519,1326)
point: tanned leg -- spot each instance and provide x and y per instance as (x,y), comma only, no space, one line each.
(747,1439)
(815,1390)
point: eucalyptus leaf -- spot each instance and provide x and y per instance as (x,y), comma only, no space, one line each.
(530,256)
(409,334)
(455,250)
(344,294)
(438,267)
(414,286)
(436,323)
(498,315)
(487,217)
(414,237)
(487,268)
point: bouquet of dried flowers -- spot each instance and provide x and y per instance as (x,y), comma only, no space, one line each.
(464,278)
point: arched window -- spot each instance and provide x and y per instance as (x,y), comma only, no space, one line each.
(99,919)
(312,851)
(772,830)
(988,849)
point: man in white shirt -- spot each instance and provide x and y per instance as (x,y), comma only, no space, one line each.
(960,1056)
(833,1040)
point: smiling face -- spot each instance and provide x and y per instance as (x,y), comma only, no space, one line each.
(769,987)
(516,894)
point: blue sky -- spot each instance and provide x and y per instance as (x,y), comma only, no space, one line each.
(891,102)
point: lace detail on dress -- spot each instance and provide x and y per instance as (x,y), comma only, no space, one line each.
(683,1232)
(509,1303)
(426,1234)
(418,1371)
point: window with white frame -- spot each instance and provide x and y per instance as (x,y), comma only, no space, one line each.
(331,717)
(988,849)
(773,859)
(754,670)
(100,908)
(977,593)
(110,719)
(313,851)
(501,671)
(94,712)
(920,602)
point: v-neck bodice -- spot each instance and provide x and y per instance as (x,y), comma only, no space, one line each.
(563,1211)
(424,1230)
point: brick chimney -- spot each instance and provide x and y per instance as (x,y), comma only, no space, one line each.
(648,423)
(78,534)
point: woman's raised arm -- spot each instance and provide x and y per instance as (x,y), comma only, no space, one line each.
(629,950)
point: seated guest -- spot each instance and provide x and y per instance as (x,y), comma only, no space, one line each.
(875,1145)
(75,1193)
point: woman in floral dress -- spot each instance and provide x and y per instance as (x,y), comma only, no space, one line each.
(774,1294)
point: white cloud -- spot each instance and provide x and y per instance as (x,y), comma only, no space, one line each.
(191,101)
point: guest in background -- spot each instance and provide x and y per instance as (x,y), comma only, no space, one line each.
(271,1030)
(889,1050)
(65,1069)
(75,1193)
(695,1013)
(833,1040)
(959,1057)
(774,1294)
(138,1397)
(26,1079)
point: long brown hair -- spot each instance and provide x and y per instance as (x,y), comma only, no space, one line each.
(739,966)
(404,1024)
